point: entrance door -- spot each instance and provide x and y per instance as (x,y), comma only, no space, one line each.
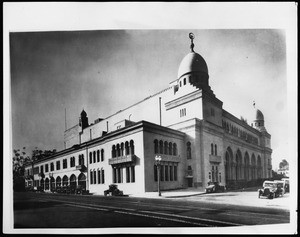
(190,182)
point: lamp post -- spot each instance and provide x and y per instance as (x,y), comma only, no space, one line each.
(158,163)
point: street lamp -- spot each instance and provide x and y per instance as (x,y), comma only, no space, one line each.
(157,163)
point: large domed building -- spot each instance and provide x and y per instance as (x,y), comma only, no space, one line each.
(185,125)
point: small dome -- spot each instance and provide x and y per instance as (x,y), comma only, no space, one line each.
(192,62)
(259,115)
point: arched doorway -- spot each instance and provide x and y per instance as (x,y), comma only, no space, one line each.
(228,165)
(52,183)
(73,181)
(247,166)
(82,181)
(58,181)
(42,184)
(46,184)
(259,168)
(253,166)
(238,158)
(65,181)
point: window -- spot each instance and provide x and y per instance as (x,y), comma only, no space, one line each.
(126,148)
(161,147)
(42,169)
(184,81)
(174,149)
(98,156)
(162,173)
(182,112)
(171,173)
(91,176)
(102,155)
(46,168)
(155,146)
(94,156)
(81,159)
(122,149)
(212,149)
(167,173)
(103,180)
(113,151)
(132,174)
(91,158)
(188,151)
(166,148)
(216,153)
(127,174)
(180,83)
(118,150)
(95,179)
(72,161)
(99,174)
(155,173)
(170,148)
(131,147)
(51,166)
(175,173)
(58,165)
(65,165)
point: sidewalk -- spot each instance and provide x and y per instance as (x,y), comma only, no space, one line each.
(187,192)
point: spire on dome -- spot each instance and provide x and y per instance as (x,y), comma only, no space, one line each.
(192,36)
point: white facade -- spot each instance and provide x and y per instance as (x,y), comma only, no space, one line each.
(210,143)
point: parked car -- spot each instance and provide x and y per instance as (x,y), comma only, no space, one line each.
(113,191)
(270,190)
(81,190)
(281,184)
(287,184)
(214,187)
(40,189)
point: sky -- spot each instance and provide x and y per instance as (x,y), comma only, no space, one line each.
(103,71)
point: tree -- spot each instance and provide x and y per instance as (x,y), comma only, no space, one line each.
(284,164)
(20,159)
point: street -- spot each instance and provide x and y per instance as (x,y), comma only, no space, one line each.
(48,210)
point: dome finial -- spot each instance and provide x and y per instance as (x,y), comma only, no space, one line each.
(192,36)
(254,104)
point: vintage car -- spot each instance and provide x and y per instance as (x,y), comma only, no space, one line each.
(270,190)
(282,185)
(81,190)
(214,187)
(287,184)
(113,191)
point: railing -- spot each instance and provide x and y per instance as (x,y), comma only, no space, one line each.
(169,158)
(213,158)
(121,159)
(81,167)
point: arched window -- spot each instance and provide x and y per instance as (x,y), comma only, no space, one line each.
(216,152)
(161,147)
(131,147)
(118,150)
(126,148)
(58,181)
(155,146)
(65,180)
(188,150)
(113,151)
(103,177)
(184,81)
(166,148)
(170,148)
(212,149)
(180,83)
(174,149)
(122,149)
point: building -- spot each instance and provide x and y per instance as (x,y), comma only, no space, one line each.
(185,124)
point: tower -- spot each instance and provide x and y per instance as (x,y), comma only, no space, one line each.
(83,120)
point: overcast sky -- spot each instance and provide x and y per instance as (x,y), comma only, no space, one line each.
(104,71)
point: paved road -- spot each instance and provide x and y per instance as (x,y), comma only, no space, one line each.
(41,210)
